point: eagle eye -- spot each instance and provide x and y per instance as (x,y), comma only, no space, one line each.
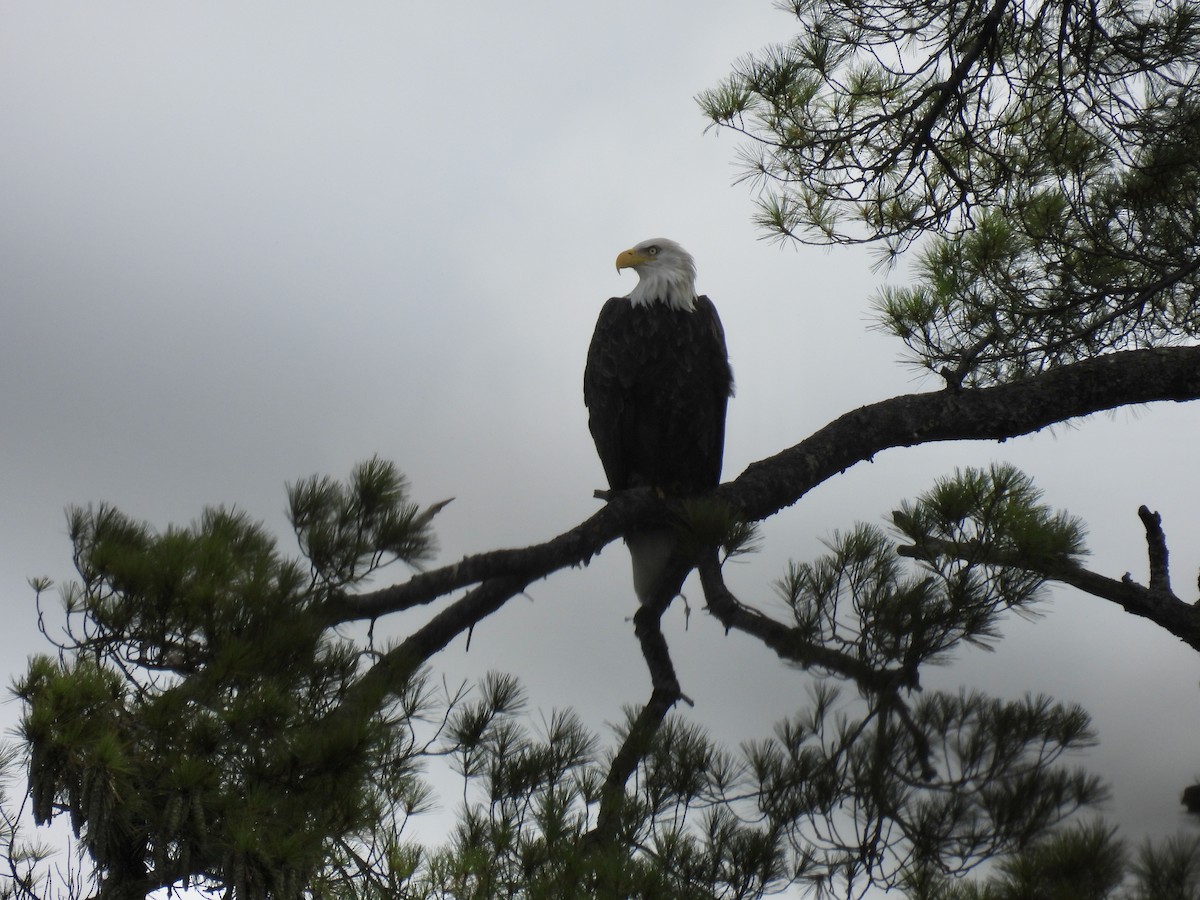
(652,251)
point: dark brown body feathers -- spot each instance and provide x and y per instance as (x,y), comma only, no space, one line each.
(656,385)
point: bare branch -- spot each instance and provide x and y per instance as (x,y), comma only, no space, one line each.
(665,694)
(765,487)
(995,413)
(571,548)
(1156,546)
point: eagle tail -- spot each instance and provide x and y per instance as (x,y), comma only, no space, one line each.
(650,551)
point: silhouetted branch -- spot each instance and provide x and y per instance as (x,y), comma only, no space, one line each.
(1156,602)
(772,484)
(787,642)
(571,548)
(995,413)
(881,684)
(1156,546)
(665,694)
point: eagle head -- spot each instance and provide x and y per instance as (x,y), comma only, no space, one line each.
(666,273)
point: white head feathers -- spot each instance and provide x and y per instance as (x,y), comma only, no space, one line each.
(666,273)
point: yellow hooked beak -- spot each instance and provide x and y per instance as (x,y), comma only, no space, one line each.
(630,259)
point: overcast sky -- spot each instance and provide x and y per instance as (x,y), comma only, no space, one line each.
(242,243)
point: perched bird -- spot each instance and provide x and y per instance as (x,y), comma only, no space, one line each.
(656,385)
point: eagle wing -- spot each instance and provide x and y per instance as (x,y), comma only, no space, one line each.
(605,392)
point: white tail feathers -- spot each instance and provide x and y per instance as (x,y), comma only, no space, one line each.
(649,551)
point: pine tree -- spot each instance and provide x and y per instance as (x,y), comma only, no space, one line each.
(218,714)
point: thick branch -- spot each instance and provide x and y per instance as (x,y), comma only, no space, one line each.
(994,413)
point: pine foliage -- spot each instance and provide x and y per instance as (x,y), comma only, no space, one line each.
(195,726)
(1048,151)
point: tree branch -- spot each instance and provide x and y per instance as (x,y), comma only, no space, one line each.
(1156,546)
(766,487)
(786,640)
(881,684)
(944,91)
(665,693)
(1163,609)
(994,413)
(571,548)
(1156,602)
(391,671)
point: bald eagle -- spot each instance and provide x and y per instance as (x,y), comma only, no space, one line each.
(656,385)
